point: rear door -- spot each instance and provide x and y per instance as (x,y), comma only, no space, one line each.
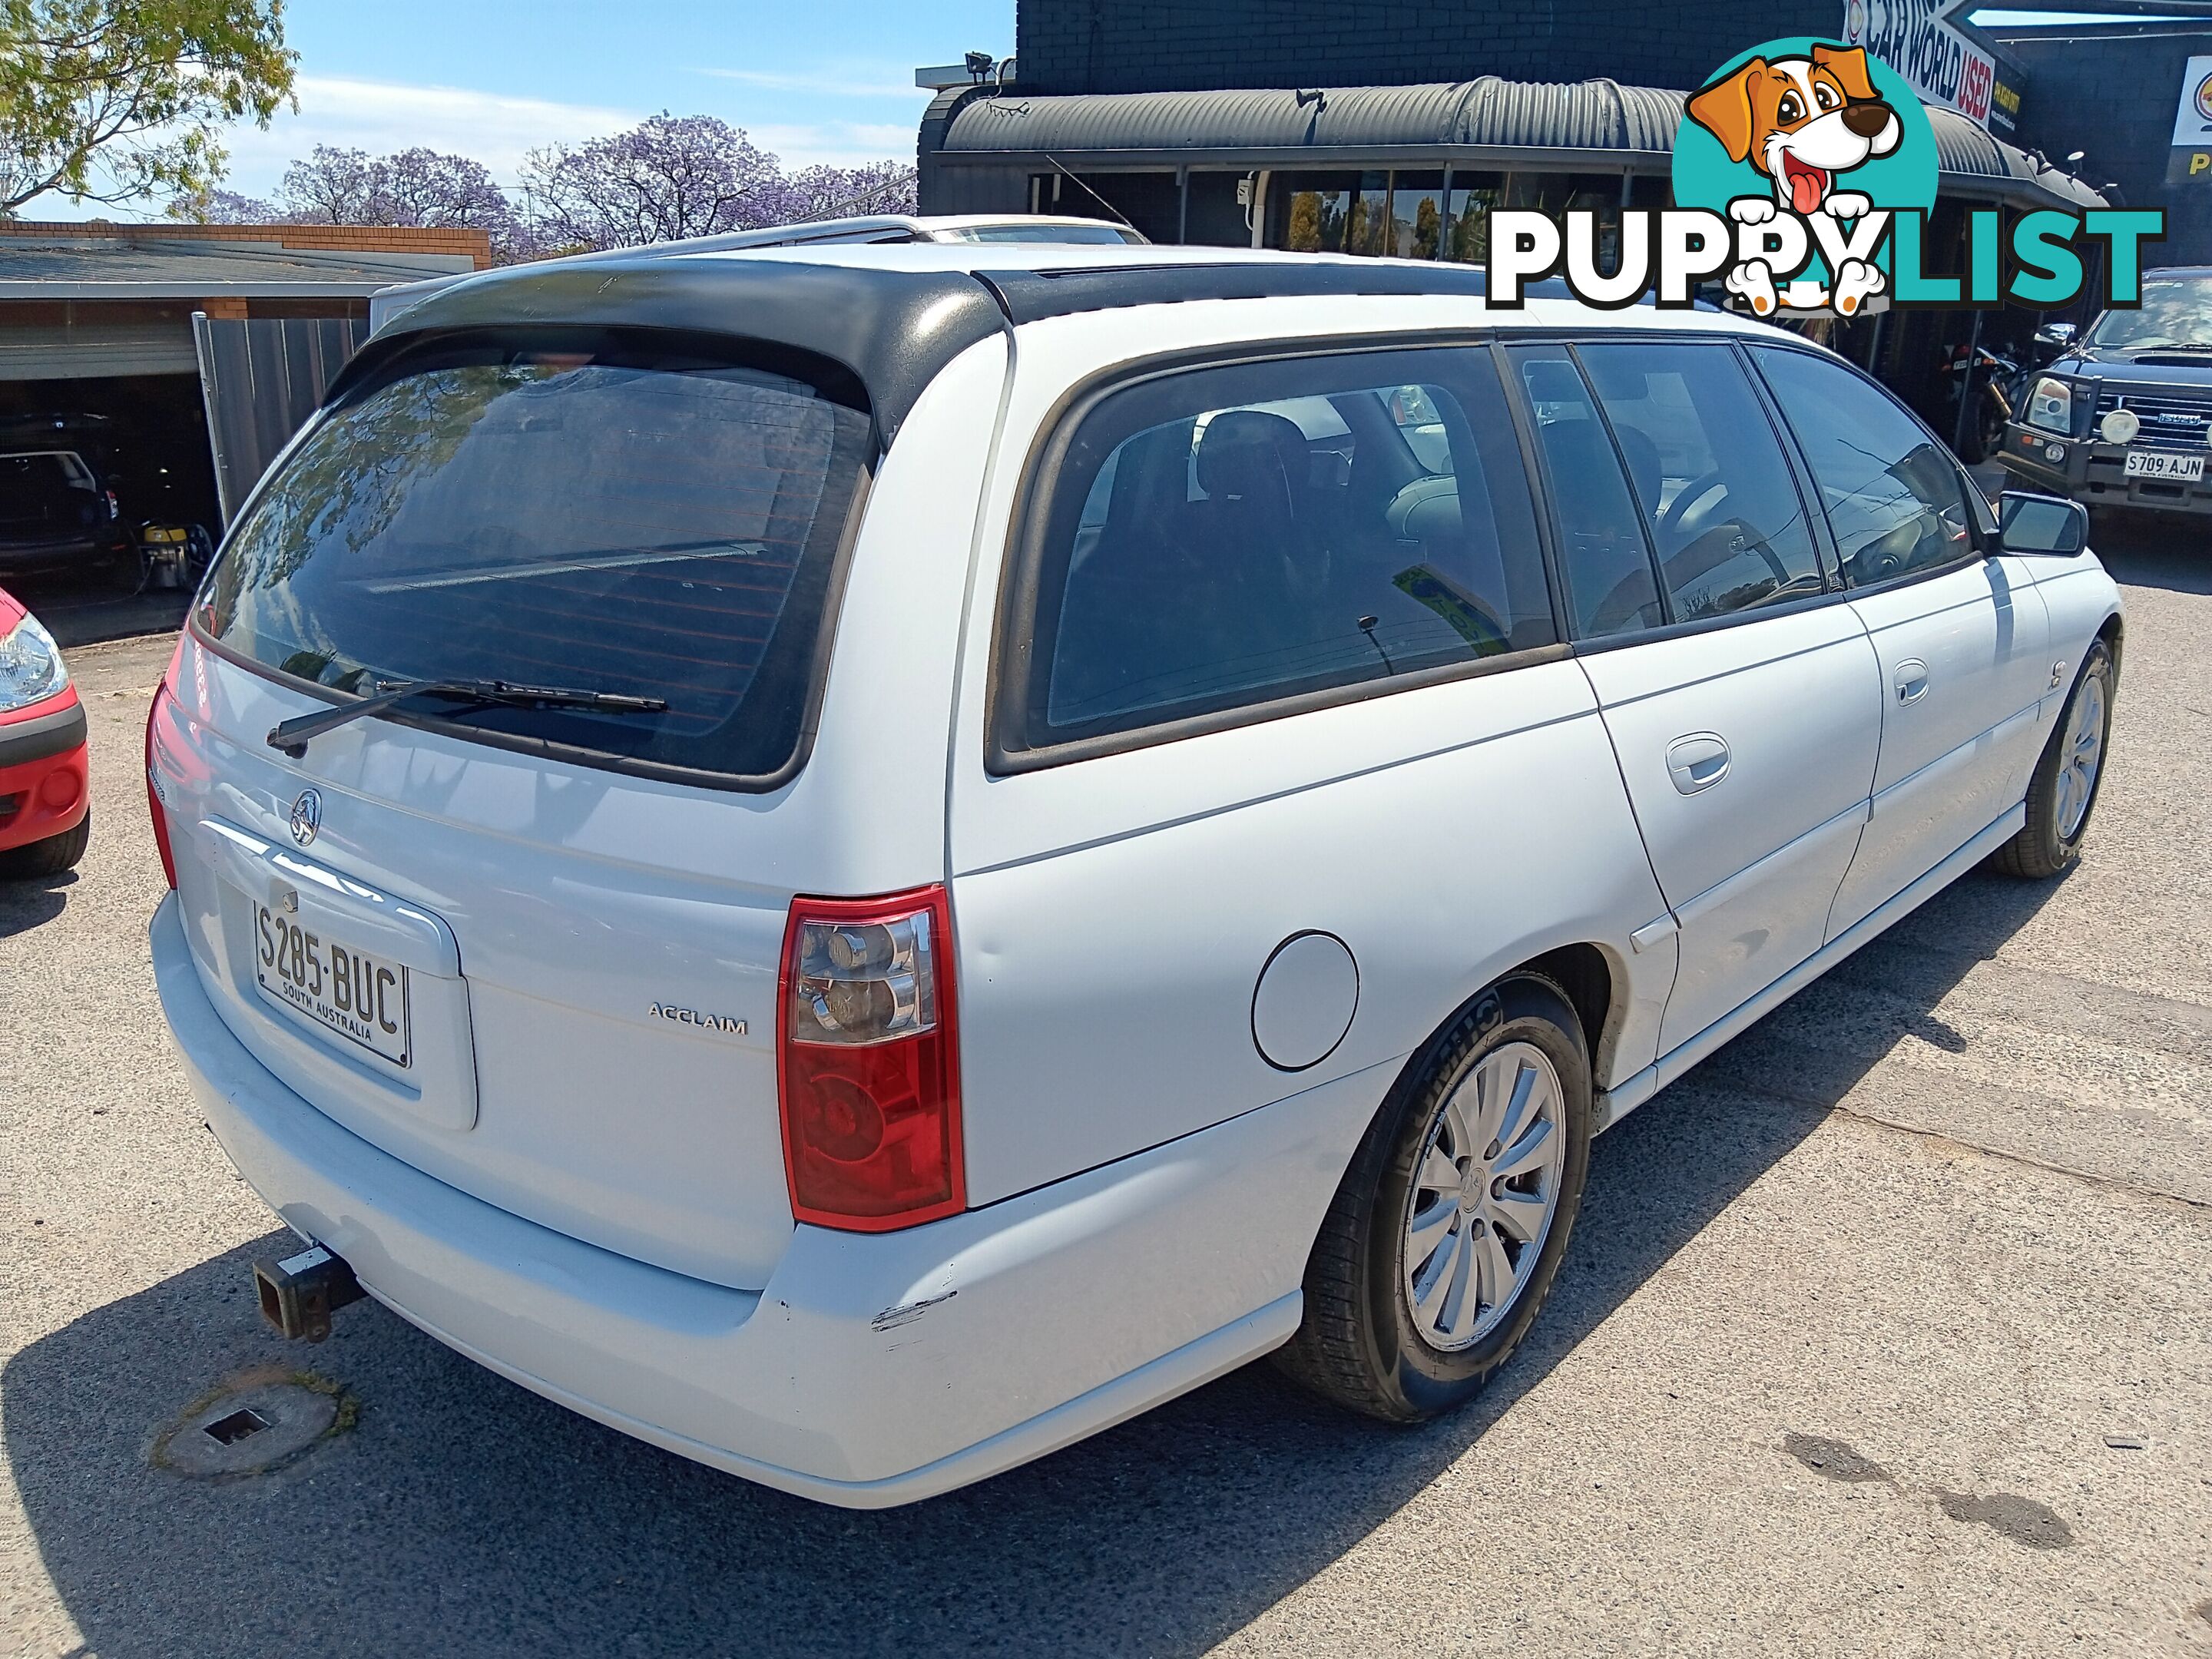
(1741,700)
(534,951)
(1962,637)
(1279,759)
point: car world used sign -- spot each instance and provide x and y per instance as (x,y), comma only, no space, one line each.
(2190,159)
(1917,38)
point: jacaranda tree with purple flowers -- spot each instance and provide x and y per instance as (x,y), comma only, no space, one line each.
(671,176)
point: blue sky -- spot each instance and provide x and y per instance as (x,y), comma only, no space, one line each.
(811,80)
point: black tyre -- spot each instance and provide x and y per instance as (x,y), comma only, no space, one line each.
(2061,796)
(49,857)
(1447,1230)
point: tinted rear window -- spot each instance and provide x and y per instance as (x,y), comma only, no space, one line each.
(588,513)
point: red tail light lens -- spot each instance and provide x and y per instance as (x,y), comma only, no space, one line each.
(154,806)
(868,1062)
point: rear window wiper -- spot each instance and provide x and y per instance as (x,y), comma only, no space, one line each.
(292,735)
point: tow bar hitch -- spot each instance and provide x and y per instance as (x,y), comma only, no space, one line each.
(298,1294)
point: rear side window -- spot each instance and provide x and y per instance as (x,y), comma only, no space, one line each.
(1235,536)
(1895,499)
(1725,515)
(585,511)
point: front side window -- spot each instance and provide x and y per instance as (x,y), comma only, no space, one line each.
(1896,501)
(1234,537)
(1717,491)
(592,512)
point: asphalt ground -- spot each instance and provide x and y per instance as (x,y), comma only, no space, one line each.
(1889,1330)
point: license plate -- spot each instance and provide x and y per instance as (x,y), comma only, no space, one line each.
(2152,463)
(354,993)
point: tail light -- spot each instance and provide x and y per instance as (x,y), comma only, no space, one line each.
(868,1064)
(154,806)
(114,506)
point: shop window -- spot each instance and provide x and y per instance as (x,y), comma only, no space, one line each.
(1307,212)
(1468,208)
(1416,214)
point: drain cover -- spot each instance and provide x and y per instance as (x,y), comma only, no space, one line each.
(255,1424)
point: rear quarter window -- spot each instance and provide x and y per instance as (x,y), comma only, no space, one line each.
(1209,546)
(605,511)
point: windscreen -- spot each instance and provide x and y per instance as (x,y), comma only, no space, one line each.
(607,516)
(2174,312)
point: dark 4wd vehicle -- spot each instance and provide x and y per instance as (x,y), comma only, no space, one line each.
(2123,417)
(57,509)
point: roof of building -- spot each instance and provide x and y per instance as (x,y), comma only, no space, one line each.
(1488,122)
(99,261)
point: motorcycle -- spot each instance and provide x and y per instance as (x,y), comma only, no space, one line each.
(1978,434)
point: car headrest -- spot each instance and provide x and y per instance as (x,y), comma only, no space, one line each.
(1550,381)
(1248,452)
(1643,458)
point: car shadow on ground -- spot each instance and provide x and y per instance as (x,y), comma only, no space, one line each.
(2149,550)
(463,1514)
(25,904)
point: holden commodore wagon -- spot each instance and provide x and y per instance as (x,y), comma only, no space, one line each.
(861,862)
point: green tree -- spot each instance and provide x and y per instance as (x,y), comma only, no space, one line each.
(119,101)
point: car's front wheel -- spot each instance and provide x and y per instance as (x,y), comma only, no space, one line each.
(49,857)
(1447,1230)
(2062,793)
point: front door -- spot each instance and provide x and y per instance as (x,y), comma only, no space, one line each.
(1962,641)
(1741,697)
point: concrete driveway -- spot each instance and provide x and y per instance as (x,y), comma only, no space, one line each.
(1889,1330)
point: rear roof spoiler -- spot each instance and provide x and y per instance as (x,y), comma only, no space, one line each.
(893,330)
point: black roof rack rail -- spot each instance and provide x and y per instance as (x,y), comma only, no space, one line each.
(1030,296)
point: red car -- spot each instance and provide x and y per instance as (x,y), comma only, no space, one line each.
(46,806)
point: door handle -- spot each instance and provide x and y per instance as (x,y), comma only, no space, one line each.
(1698,762)
(1912,680)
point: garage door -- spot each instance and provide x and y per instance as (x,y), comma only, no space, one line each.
(87,351)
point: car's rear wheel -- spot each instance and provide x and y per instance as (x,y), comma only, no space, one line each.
(1447,1230)
(49,857)
(2063,794)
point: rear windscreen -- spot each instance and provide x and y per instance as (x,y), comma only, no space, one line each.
(35,485)
(607,517)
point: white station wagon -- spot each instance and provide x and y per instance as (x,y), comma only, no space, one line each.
(859,862)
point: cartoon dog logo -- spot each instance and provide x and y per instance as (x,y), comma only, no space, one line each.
(1802,122)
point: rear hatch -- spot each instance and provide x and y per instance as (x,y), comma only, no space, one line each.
(48,495)
(531,949)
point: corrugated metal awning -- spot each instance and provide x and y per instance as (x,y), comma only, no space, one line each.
(1488,122)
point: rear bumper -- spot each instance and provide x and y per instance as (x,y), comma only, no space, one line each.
(43,780)
(871,1370)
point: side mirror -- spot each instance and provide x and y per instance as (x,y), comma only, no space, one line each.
(2046,525)
(2058,335)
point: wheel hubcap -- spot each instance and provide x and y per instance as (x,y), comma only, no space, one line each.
(1482,1196)
(2082,756)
